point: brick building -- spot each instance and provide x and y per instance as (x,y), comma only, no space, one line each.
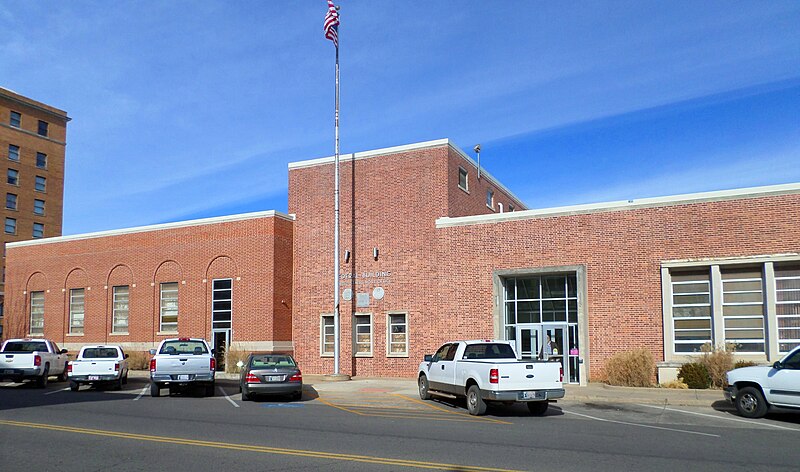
(429,253)
(32,144)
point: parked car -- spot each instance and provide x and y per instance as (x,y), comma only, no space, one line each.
(98,365)
(32,359)
(488,371)
(270,374)
(181,363)
(758,389)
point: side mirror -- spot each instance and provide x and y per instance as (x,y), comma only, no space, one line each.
(63,351)
(127,356)
(152,352)
(428,358)
(777,365)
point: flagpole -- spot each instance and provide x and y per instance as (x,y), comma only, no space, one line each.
(336,324)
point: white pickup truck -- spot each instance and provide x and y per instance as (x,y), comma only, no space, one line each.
(36,359)
(758,389)
(98,365)
(180,363)
(489,371)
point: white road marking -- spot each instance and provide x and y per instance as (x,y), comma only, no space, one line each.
(56,391)
(641,425)
(228,398)
(9,384)
(738,420)
(144,389)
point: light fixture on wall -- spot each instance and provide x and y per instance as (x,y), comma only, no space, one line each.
(375,253)
(346,257)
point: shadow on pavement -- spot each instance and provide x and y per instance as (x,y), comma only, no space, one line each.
(499,410)
(28,395)
(782,415)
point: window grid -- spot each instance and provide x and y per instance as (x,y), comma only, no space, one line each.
(11,226)
(327,335)
(362,326)
(37,313)
(15,119)
(76,310)
(222,303)
(398,334)
(743,311)
(11,201)
(38,230)
(41,184)
(12,177)
(38,207)
(41,160)
(463,180)
(13,152)
(691,312)
(787,284)
(169,307)
(490,199)
(43,128)
(120,309)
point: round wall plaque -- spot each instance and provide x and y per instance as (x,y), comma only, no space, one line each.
(377,293)
(347,294)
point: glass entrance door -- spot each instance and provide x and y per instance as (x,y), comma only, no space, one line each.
(221,341)
(528,341)
(532,341)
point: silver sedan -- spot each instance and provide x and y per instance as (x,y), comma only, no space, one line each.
(271,374)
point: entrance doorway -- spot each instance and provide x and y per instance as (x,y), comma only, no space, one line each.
(532,338)
(221,341)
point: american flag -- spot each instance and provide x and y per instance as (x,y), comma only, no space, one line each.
(332,24)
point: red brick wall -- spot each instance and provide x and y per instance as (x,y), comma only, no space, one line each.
(473,201)
(622,252)
(249,251)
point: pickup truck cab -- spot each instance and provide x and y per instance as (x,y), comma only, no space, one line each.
(758,389)
(98,365)
(32,359)
(486,371)
(180,363)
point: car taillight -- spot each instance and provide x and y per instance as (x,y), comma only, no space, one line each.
(213,364)
(37,360)
(252,379)
(69,368)
(298,377)
(116,367)
(561,374)
(152,365)
(494,376)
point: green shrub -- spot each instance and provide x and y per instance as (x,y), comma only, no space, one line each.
(695,375)
(631,369)
(740,364)
(718,360)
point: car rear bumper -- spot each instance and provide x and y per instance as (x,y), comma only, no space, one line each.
(21,373)
(283,388)
(523,395)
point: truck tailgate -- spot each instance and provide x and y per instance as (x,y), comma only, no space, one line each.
(94,367)
(183,364)
(529,375)
(16,361)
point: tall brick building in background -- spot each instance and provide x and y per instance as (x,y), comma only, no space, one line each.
(430,253)
(32,144)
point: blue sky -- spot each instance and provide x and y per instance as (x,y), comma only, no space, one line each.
(191,109)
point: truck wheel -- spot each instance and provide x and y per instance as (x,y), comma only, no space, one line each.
(125,379)
(538,408)
(423,388)
(41,382)
(155,389)
(750,403)
(63,376)
(74,386)
(118,384)
(475,404)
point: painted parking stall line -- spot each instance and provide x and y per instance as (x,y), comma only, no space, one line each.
(57,391)
(236,405)
(640,425)
(725,418)
(144,389)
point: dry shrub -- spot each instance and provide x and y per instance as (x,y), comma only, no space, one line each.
(718,361)
(631,369)
(740,364)
(677,384)
(139,360)
(232,358)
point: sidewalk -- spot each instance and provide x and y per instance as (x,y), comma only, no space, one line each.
(592,393)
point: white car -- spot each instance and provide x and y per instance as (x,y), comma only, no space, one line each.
(756,390)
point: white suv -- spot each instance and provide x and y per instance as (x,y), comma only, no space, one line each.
(756,390)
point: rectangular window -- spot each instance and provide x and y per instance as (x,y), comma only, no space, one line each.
(11,201)
(38,230)
(76,310)
(398,334)
(38,207)
(13,152)
(119,323)
(463,182)
(16,119)
(42,130)
(169,307)
(37,312)
(787,285)
(362,334)
(510,207)
(41,160)
(490,199)
(12,177)
(326,335)
(11,226)
(41,184)
(691,310)
(221,303)
(743,309)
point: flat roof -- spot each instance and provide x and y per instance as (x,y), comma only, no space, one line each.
(158,227)
(23,100)
(404,148)
(623,205)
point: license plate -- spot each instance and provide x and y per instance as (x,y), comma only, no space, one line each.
(532,395)
(183,377)
(94,377)
(274,378)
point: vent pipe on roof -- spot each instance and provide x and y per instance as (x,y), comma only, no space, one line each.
(477,149)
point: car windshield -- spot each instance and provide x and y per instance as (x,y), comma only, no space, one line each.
(272,361)
(25,346)
(100,353)
(183,347)
(489,351)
